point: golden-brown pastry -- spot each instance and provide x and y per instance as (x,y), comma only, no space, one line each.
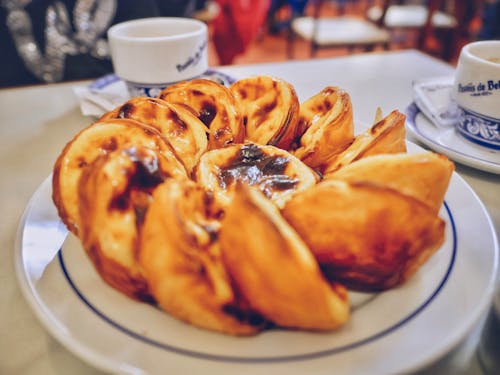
(186,134)
(273,268)
(276,172)
(385,137)
(326,127)
(100,138)
(236,210)
(181,258)
(363,235)
(214,105)
(270,109)
(424,176)
(114,195)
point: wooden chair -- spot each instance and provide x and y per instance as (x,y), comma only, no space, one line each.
(434,26)
(337,31)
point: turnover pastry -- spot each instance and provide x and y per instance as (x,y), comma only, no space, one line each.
(100,138)
(423,176)
(366,236)
(178,125)
(214,105)
(326,127)
(181,257)
(273,268)
(114,195)
(270,110)
(386,136)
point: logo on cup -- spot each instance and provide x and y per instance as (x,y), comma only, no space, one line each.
(479,88)
(193,60)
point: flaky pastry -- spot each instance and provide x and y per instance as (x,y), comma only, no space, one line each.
(273,268)
(186,134)
(114,196)
(326,127)
(365,236)
(270,109)
(182,261)
(423,176)
(387,136)
(214,105)
(100,138)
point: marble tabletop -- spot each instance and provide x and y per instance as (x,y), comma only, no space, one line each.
(37,121)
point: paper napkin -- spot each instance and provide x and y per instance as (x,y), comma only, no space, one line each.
(101,96)
(433,96)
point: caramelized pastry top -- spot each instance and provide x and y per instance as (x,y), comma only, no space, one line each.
(277,173)
(252,166)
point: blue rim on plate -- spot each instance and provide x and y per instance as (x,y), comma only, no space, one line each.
(306,356)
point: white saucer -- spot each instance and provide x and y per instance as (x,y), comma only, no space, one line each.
(108,92)
(449,142)
(110,79)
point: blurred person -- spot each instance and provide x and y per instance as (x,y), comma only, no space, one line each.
(237,25)
(490,20)
(296,8)
(45,41)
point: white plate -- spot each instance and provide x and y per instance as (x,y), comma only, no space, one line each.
(396,331)
(449,142)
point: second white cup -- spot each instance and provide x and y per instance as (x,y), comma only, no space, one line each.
(152,53)
(477,92)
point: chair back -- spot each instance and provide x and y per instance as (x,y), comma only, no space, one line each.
(434,22)
(341,25)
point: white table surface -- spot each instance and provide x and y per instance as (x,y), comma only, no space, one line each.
(36,122)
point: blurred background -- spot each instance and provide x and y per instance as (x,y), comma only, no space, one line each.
(46,41)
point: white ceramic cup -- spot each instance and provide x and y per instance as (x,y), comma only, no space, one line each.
(476,91)
(151,53)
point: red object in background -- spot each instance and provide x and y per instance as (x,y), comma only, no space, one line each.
(236,26)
